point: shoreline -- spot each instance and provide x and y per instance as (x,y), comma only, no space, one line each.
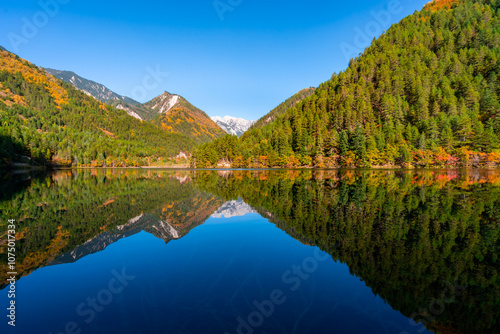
(395,168)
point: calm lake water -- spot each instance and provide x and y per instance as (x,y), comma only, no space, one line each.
(135,251)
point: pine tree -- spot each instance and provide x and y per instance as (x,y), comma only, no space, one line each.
(447,138)
(359,144)
(405,155)
(319,145)
(489,103)
(464,130)
(380,141)
(331,142)
(489,140)
(422,142)
(344,143)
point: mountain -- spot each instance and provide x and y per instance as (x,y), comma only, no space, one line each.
(165,102)
(425,93)
(280,110)
(175,114)
(232,125)
(104,94)
(233,209)
(171,112)
(2,48)
(92,88)
(45,120)
(148,223)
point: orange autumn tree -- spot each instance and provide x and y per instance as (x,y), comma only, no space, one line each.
(436,5)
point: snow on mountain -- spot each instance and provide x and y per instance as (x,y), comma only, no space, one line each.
(232,125)
(233,209)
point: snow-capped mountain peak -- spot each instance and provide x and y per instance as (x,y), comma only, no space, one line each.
(232,125)
(233,209)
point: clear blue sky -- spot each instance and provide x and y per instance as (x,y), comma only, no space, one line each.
(255,57)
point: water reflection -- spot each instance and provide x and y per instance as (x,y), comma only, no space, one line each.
(426,242)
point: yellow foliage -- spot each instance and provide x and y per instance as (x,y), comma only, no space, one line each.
(7,94)
(40,258)
(108,202)
(34,75)
(107,133)
(350,159)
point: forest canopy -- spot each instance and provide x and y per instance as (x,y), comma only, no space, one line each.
(426,93)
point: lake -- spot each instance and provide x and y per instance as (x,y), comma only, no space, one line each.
(249,251)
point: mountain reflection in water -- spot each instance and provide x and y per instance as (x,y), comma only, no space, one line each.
(426,242)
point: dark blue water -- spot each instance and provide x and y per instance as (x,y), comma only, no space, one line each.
(244,252)
(236,275)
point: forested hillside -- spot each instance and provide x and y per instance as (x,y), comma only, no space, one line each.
(177,115)
(283,107)
(44,120)
(425,93)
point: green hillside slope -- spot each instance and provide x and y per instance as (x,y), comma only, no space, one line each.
(283,107)
(43,120)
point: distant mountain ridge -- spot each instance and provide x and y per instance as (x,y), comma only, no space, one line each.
(89,87)
(171,112)
(103,94)
(232,125)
